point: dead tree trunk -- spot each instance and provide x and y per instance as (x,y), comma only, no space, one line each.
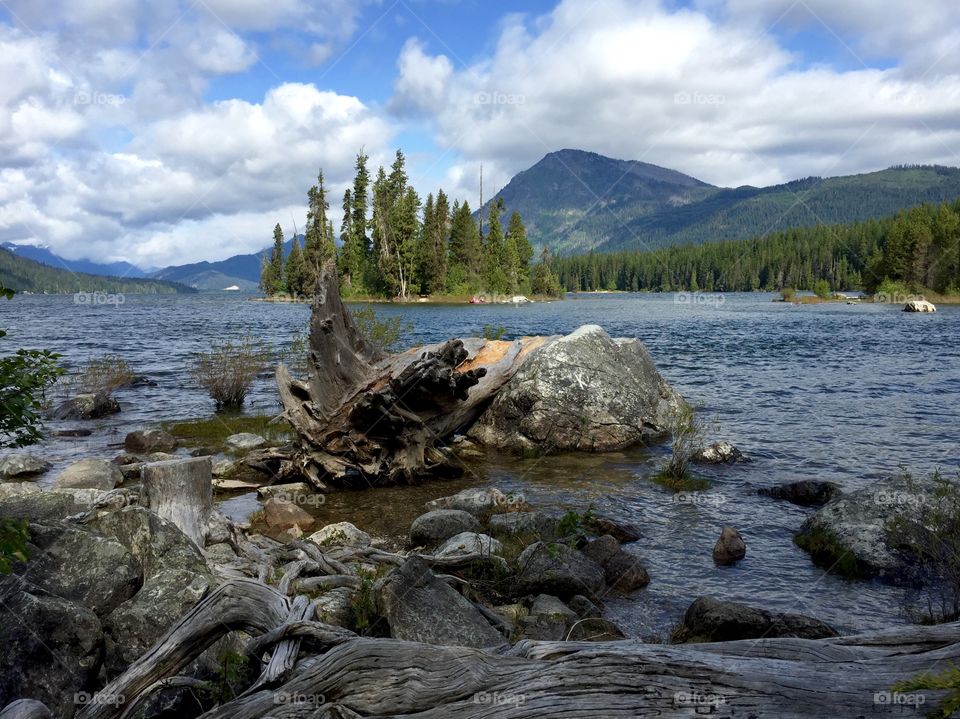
(181,491)
(366,420)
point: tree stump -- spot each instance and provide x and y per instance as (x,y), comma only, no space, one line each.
(181,491)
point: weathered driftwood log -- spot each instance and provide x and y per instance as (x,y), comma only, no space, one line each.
(355,676)
(367,420)
(181,491)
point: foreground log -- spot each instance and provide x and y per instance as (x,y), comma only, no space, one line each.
(365,420)
(354,676)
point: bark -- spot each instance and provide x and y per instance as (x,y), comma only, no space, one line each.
(181,491)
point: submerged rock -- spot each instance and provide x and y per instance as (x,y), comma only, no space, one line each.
(480,502)
(851,534)
(245,441)
(421,608)
(919,306)
(441,524)
(86,406)
(280,514)
(586,392)
(145,441)
(805,492)
(730,547)
(17,466)
(710,620)
(89,474)
(719,453)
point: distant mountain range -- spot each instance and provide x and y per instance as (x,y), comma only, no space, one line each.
(25,275)
(574,201)
(44,255)
(241,271)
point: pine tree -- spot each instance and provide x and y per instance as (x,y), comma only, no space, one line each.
(276,262)
(517,236)
(543,281)
(495,254)
(359,241)
(465,249)
(318,245)
(295,270)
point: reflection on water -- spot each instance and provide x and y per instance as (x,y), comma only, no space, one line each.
(839,392)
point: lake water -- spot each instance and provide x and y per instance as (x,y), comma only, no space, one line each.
(848,393)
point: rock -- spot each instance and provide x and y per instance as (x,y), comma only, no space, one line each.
(76,432)
(233,485)
(342,533)
(850,535)
(583,392)
(595,629)
(549,619)
(281,514)
(622,571)
(204,451)
(730,548)
(805,493)
(441,524)
(469,543)
(292,492)
(155,457)
(13,489)
(335,606)
(623,532)
(80,566)
(421,608)
(601,549)
(86,406)
(709,620)
(224,468)
(559,570)
(15,466)
(625,573)
(245,441)
(145,441)
(584,607)
(25,709)
(156,543)
(527,524)
(89,474)
(719,453)
(480,502)
(51,651)
(48,505)
(134,626)
(919,306)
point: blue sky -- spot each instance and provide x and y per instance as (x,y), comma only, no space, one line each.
(164,133)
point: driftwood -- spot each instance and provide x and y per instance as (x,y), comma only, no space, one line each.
(351,676)
(364,420)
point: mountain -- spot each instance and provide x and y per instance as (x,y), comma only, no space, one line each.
(44,255)
(26,275)
(240,270)
(648,206)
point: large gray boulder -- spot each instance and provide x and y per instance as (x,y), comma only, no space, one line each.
(851,534)
(421,608)
(19,466)
(52,649)
(80,566)
(710,620)
(479,501)
(145,441)
(586,392)
(467,543)
(441,524)
(89,474)
(557,569)
(86,406)
(46,505)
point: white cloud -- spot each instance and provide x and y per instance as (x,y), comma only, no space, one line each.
(706,93)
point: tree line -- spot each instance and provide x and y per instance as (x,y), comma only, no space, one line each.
(918,248)
(394,244)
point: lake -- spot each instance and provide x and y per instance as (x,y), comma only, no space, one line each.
(848,393)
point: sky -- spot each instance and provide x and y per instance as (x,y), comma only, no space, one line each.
(173,131)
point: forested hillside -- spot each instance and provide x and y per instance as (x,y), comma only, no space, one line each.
(919,248)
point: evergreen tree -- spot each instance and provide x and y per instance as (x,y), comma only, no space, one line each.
(465,249)
(495,255)
(318,245)
(359,241)
(271,277)
(294,271)
(517,237)
(543,281)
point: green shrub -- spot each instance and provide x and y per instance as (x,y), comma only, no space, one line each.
(821,288)
(100,375)
(382,335)
(228,370)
